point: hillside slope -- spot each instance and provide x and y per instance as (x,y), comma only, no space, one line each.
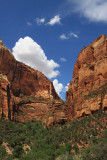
(75,140)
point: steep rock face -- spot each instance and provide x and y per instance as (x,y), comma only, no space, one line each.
(88,91)
(23,79)
(6,98)
(33,109)
(34,95)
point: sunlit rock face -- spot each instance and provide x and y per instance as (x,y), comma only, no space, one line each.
(26,94)
(88,91)
(24,79)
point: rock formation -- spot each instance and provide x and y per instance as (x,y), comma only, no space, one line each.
(6,98)
(88,91)
(27,95)
(23,79)
(34,95)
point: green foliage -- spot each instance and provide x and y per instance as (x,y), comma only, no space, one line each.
(1,141)
(2,152)
(18,150)
(96,151)
(101,91)
(57,142)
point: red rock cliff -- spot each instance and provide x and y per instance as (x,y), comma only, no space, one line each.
(6,98)
(34,95)
(88,91)
(23,79)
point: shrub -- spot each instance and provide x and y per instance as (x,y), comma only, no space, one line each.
(18,150)
(2,152)
(1,141)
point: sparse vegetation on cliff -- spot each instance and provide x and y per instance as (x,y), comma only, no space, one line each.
(76,139)
(99,91)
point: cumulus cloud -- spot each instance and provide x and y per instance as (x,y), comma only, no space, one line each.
(40,21)
(55,20)
(63,59)
(58,86)
(68,36)
(29,52)
(29,23)
(94,10)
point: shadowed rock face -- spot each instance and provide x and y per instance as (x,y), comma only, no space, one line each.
(6,98)
(34,95)
(88,91)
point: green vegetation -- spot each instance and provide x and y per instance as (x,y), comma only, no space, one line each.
(84,139)
(101,91)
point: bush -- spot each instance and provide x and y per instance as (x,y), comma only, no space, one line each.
(18,150)
(2,152)
(75,147)
(57,141)
(1,141)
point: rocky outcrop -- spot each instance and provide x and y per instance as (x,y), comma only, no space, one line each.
(88,91)
(34,95)
(32,109)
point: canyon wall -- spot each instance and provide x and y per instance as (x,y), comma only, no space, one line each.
(6,98)
(27,95)
(34,96)
(88,91)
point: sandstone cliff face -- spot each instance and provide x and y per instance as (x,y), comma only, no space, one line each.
(88,91)
(23,79)
(32,109)
(26,94)
(34,95)
(6,98)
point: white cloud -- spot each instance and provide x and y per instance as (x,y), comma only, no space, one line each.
(73,35)
(29,52)
(63,59)
(65,37)
(58,86)
(94,10)
(55,20)
(66,87)
(40,21)
(29,23)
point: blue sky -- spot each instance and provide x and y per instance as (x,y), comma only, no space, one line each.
(51,33)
